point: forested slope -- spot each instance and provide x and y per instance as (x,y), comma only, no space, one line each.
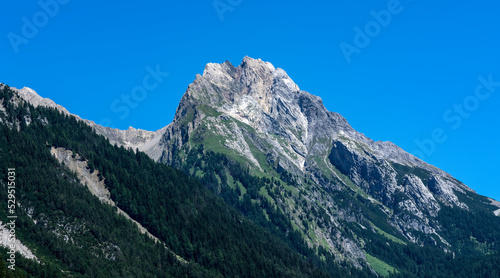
(73,234)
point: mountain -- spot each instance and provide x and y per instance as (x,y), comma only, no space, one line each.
(303,175)
(83,207)
(255,113)
(130,138)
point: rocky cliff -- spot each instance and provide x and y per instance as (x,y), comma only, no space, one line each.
(328,179)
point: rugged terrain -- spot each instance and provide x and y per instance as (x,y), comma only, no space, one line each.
(87,208)
(274,152)
(256,114)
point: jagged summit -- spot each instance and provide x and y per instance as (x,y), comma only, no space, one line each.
(253,78)
(255,115)
(266,98)
(261,96)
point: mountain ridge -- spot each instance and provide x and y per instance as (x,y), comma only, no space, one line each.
(129,138)
(320,174)
(67,219)
(140,138)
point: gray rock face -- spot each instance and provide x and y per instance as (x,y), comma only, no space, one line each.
(294,126)
(257,115)
(256,110)
(143,140)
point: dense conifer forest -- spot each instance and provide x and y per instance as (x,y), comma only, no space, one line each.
(198,226)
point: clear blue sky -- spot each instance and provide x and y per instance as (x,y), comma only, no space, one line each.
(402,84)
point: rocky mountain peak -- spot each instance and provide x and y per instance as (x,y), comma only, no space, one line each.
(35,99)
(253,78)
(317,169)
(256,94)
(257,113)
